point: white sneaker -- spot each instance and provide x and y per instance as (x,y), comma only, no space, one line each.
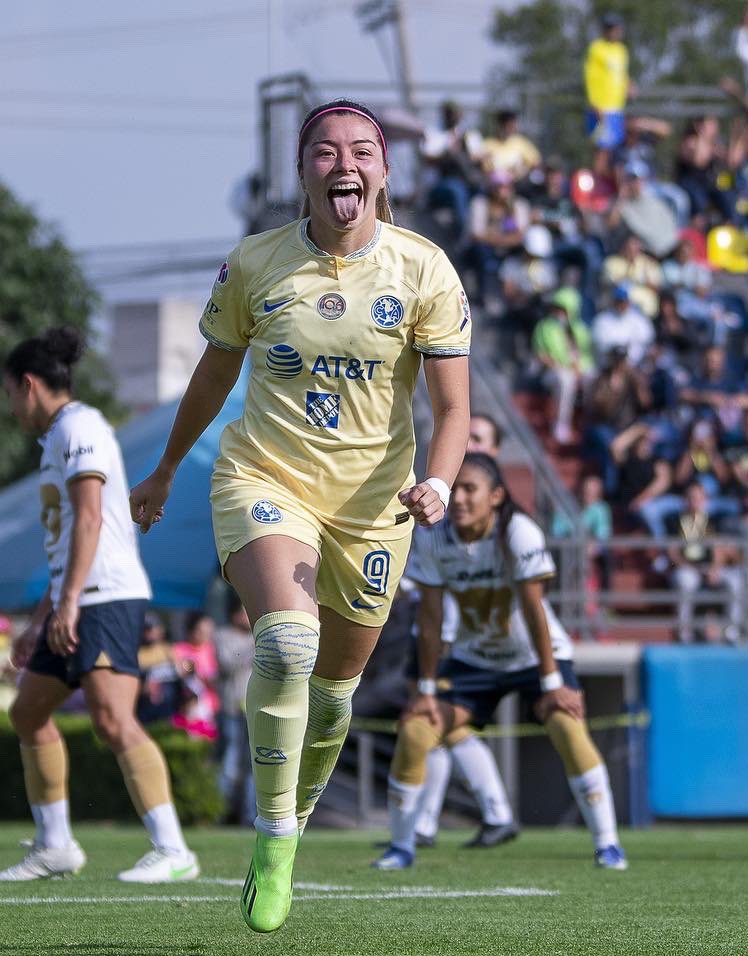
(162,866)
(42,862)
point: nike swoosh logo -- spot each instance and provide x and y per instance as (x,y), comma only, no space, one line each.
(178,872)
(364,607)
(272,306)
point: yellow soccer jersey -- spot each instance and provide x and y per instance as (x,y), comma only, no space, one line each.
(516,155)
(606,75)
(335,347)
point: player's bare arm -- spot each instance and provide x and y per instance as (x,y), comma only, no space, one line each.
(561,698)
(448,385)
(429,652)
(85,499)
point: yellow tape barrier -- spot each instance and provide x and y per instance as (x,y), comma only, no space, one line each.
(639,719)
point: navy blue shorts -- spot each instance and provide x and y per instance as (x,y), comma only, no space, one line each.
(479,690)
(109,636)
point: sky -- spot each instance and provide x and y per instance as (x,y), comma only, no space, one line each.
(129,123)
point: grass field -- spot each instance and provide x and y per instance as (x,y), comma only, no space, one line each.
(684,894)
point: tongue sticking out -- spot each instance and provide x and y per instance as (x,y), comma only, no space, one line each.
(345,205)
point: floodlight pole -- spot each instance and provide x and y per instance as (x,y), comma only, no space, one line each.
(375,14)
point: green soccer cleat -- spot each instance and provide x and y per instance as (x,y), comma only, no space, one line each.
(266,897)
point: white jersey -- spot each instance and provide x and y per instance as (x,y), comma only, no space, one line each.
(80,442)
(489,629)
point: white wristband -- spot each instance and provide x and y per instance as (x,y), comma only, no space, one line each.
(426,685)
(441,488)
(551,681)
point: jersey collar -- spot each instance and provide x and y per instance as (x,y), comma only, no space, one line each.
(60,413)
(358,254)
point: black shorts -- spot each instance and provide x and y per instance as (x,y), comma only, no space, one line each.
(479,689)
(109,636)
(411,660)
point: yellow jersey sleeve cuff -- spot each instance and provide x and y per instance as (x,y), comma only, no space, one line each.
(442,349)
(218,342)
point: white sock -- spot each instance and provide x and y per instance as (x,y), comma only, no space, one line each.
(477,767)
(287,826)
(595,801)
(52,824)
(402,804)
(431,801)
(162,824)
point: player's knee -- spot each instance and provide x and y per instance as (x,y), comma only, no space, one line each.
(416,737)
(26,717)
(19,715)
(572,741)
(286,645)
(110,727)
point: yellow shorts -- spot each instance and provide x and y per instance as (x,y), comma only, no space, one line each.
(357,576)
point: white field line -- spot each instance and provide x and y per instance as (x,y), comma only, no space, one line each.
(417,893)
(405,893)
(221,881)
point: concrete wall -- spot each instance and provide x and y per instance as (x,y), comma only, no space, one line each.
(154,346)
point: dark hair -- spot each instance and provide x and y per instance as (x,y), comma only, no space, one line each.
(193,619)
(506,116)
(610,20)
(498,434)
(151,620)
(50,357)
(667,296)
(508,507)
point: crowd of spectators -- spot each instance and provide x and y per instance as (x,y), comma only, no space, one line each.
(614,288)
(198,683)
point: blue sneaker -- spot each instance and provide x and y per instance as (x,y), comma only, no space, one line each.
(611,858)
(394,858)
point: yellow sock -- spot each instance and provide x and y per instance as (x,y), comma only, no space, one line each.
(415,738)
(286,645)
(45,772)
(573,743)
(327,727)
(146,776)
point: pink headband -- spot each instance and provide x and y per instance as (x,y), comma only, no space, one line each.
(343,109)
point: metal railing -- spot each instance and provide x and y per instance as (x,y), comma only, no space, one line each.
(652,609)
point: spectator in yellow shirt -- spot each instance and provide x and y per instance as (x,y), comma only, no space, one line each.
(508,151)
(607,85)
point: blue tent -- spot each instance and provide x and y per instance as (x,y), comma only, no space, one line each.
(179,553)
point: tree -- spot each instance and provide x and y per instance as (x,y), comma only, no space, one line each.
(669,42)
(41,285)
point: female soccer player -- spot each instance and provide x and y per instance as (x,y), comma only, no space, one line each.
(493,559)
(87,628)
(313,491)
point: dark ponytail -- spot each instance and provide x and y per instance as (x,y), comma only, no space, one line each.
(508,507)
(50,357)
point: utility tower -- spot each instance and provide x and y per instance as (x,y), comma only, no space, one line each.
(377,16)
